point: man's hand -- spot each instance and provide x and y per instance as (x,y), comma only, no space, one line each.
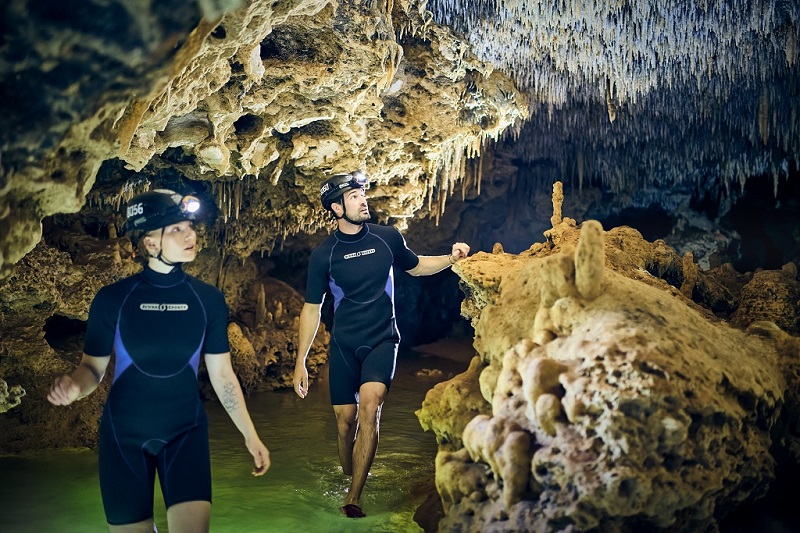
(460,251)
(64,391)
(301,380)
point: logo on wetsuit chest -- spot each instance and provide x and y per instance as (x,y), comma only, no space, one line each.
(164,307)
(359,254)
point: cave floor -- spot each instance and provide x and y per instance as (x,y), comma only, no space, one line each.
(302,491)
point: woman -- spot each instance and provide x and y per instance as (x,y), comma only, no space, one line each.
(158,322)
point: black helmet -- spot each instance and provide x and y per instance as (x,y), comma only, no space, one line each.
(159,208)
(336,185)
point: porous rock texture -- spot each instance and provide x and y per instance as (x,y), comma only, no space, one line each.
(611,400)
(9,396)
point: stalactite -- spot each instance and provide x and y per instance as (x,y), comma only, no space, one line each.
(479,179)
(763,117)
(683,73)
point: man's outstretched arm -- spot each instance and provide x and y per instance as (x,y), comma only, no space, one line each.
(431,264)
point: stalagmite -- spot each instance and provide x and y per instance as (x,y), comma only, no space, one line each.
(590,260)
(558,200)
(261,305)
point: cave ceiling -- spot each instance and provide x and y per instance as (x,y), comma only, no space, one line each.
(251,104)
(640,93)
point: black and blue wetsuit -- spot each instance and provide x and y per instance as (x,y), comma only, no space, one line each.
(153,419)
(358,271)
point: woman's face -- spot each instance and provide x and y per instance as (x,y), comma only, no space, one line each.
(178,244)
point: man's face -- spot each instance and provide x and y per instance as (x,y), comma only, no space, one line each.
(355,205)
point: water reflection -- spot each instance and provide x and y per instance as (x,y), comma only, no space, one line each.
(58,491)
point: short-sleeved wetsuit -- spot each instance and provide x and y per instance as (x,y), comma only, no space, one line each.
(153,419)
(358,271)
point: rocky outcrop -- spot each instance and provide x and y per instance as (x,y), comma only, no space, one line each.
(47,288)
(617,402)
(10,397)
(772,295)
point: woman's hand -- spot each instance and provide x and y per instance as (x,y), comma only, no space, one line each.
(64,391)
(260,455)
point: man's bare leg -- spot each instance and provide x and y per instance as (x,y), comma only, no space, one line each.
(346,428)
(371,396)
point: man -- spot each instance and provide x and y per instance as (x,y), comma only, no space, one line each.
(355,263)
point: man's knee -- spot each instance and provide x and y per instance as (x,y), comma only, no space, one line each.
(345,425)
(372,394)
(345,417)
(369,412)
(369,419)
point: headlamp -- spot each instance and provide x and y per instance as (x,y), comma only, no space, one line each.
(360,179)
(189,204)
(357,180)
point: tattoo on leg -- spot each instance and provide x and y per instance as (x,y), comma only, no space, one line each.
(229,400)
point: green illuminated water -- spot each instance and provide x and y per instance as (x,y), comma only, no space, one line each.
(57,491)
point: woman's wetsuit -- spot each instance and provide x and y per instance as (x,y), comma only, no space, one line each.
(358,271)
(153,419)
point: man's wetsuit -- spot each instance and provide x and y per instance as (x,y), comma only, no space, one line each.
(153,419)
(364,338)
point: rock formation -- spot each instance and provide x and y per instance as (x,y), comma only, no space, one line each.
(10,397)
(610,399)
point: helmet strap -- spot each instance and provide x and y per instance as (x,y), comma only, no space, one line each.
(347,218)
(160,257)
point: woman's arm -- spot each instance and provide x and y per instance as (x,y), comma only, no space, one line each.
(229,392)
(81,383)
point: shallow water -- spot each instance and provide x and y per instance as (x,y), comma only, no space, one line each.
(58,491)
